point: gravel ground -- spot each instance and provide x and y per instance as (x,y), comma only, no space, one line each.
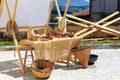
(107,67)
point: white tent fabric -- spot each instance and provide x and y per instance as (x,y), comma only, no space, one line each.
(29,12)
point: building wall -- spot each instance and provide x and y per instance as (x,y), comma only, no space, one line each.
(102,8)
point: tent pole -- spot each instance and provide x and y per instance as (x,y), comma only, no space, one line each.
(49,14)
(14,36)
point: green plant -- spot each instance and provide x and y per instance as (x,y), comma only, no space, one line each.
(6,43)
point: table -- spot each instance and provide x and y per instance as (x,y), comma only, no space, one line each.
(54,49)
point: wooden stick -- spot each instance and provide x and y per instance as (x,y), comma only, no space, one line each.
(7,8)
(111,33)
(76,23)
(109,23)
(78,19)
(81,31)
(89,32)
(84,30)
(1,6)
(101,27)
(108,17)
(96,39)
(50,10)
(14,37)
(49,14)
(14,12)
(25,57)
(58,9)
(78,33)
(66,9)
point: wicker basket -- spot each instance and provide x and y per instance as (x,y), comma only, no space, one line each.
(42,68)
(83,55)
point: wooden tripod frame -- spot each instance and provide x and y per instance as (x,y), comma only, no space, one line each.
(13,32)
(58,11)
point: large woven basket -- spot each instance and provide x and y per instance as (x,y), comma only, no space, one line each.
(83,55)
(42,68)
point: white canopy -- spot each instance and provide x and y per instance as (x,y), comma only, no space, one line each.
(28,13)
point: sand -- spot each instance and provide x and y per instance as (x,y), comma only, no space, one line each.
(107,67)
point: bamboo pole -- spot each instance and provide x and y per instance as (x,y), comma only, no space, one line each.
(50,10)
(76,23)
(66,9)
(96,25)
(1,6)
(111,33)
(7,8)
(96,39)
(81,31)
(14,36)
(108,17)
(113,21)
(89,32)
(58,9)
(49,14)
(102,20)
(78,19)
(99,22)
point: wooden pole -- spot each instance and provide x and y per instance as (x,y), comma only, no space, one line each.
(96,25)
(58,9)
(50,11)
(76,23)
(89,32)
(1,6)
(113,21)
(96,39)
(7,8)
(49,15)
(111,33)
(81,31)
(108,17)
(66,9)
(14,36)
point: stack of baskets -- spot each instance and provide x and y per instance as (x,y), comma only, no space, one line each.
(42,68)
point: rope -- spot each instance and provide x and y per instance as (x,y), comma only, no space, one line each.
(61,23)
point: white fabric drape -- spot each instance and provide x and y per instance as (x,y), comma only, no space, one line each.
(29,12)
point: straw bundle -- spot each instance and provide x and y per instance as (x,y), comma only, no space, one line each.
(9,27)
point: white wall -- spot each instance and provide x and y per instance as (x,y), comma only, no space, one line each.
(29,12)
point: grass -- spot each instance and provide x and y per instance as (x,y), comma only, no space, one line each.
(7,43)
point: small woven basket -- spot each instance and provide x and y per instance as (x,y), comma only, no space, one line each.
(42,68)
